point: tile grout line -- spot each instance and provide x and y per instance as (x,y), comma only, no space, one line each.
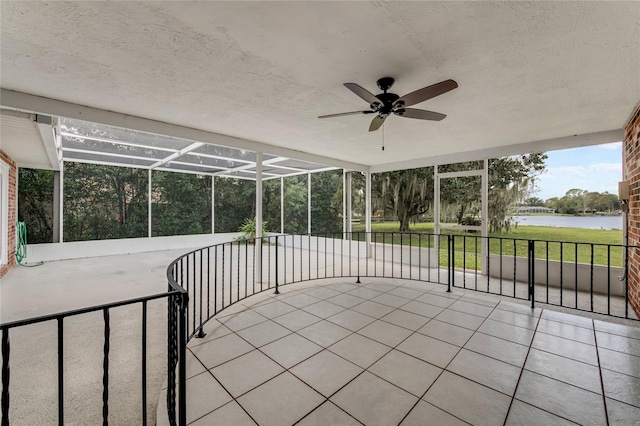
(430,291)
(445,369)
(522,370)
(604,397)
(364,369)
(285,369)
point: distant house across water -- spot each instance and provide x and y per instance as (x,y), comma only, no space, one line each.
(534,209)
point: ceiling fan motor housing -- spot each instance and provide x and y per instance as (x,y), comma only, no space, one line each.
(386,100)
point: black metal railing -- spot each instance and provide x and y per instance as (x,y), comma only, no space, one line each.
(176,298)
(585,276)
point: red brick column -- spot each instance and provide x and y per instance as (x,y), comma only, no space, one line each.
(13,214)
(632,167)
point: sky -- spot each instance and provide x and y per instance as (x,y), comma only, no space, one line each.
(595,168)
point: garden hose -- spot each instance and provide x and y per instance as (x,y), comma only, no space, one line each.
(21,249)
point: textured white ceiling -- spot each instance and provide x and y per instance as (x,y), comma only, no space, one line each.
(264,71)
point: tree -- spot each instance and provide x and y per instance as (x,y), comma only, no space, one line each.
(295,204)
(407,193)
(511,180)
(235,202)
(35,204)
(271,204)
(181,203)
(534,201)
(104,202)
(326,201)
(573,202)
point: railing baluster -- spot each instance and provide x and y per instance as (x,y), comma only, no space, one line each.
(222,277)
(401,251)
(215,282)
(6,370)
(358,242)
(561,273)
(429,256)
(182,364)
(144,362)
(105,368)
(576,275)
(276,268)
(608,279)
(500,266)
(200,332)
(246,268)
(625,261)
(60,371)
(591,278)
(515,256)
(450,264)
(208,282)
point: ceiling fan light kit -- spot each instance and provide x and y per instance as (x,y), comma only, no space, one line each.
(385,103)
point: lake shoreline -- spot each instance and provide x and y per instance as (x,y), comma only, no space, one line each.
(564,221)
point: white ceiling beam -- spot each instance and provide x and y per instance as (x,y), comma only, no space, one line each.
(116,142)
(220,157)
(185,163)
(106,154)
(104,163)
(176,155)
(49,142)
(32,103)
(574,141)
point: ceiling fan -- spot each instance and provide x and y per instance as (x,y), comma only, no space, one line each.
(386,104)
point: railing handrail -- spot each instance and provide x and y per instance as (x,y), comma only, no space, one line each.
(79,311)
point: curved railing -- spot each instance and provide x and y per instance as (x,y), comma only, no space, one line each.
(216,277)
(583,276)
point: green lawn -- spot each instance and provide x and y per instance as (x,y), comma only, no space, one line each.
(550,242)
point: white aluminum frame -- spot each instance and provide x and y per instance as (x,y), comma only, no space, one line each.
(4,212)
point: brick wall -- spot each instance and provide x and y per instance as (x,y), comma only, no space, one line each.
(632,163)
(13,214)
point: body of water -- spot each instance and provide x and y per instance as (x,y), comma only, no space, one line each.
(590,222)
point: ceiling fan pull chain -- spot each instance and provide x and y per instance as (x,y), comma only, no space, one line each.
(383,137)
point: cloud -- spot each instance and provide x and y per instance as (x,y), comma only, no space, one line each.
(610,146)
(606,167)
(564,172)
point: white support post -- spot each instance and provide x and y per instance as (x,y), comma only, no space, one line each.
(258,243)
(61,203)
(344,202)
(56,206)
(282,205)
(436,202)
(349,204)
(308,203)
(258,195)
(434,253)
(485,216)
(149,205)
(213,204)
(368,212)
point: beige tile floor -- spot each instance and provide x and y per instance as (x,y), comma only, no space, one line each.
(389,352)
